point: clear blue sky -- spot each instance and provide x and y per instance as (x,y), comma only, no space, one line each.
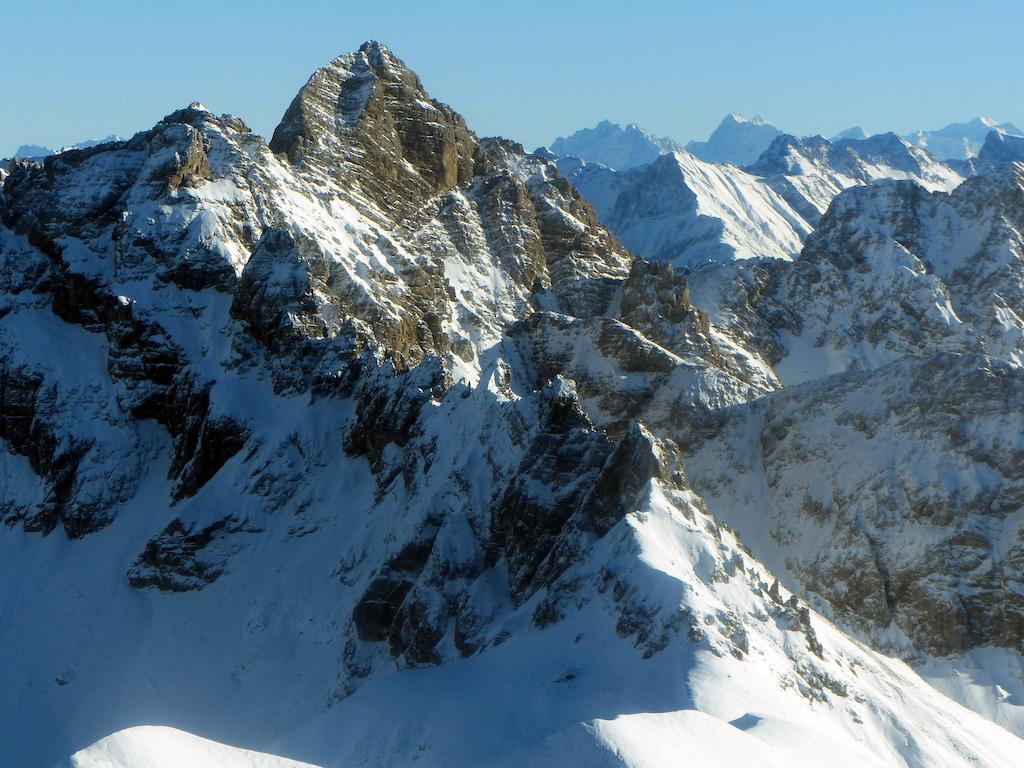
(523,69)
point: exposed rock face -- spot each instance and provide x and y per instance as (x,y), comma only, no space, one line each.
(173,561)
(550,485)
(893,280)
(892,270)
(372,304)
(841,465)
(366,114)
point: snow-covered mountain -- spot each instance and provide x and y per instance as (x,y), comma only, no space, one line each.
(960,141)
(999,149)
(810,172)
(856,132)
(612,145)
(688,211)
(738,139)
(372,446)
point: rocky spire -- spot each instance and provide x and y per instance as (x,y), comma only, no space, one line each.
(366,118)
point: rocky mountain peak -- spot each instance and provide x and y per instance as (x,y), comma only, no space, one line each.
(888,148)
(785,151)
(379,55)
(367,117)
(737,118)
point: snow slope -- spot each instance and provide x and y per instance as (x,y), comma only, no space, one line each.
(686,211)
(161,747)
(599,688)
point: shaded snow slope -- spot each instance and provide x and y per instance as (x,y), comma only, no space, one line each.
(669,634)
(999,149)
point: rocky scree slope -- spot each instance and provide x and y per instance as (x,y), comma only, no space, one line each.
(377,420)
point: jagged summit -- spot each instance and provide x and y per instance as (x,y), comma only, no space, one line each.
(379,54)
(810,171)
(367,116)
(887,147)
(613,146)
(738,139)
(736,117)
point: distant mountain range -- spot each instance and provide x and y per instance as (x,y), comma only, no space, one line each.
(751,190)
(614,146)
(28,151)
(740,140)
(960,141)
(688,211)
